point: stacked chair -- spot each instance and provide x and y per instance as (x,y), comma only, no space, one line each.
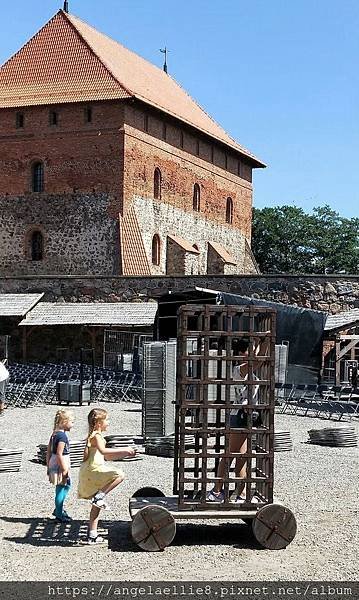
(321,401)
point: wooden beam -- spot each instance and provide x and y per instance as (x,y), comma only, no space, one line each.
(347,348)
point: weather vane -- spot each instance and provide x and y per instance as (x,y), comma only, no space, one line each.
(165,52)
(66,6)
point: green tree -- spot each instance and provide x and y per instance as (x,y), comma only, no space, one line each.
(285,239)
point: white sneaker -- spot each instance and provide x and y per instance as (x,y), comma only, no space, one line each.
(99,501)
(213,496)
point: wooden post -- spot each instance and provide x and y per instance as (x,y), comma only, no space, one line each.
(337,361)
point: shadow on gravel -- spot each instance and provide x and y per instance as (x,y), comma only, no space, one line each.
(225,534)
(189,534)
(47,532)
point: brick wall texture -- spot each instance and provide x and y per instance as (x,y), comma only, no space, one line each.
(96,171)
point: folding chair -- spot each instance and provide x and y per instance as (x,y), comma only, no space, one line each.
(288,391)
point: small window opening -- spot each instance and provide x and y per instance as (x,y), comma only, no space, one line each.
(88,115)
(229,211)
(157,184)
(145,125)
(54,117)
(20,120)
(196,197)
(38,177)
(37,246)
(156,248)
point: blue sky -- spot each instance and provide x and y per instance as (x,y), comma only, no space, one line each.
(279,75)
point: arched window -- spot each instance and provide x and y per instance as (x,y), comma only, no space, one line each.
(37,246)
(156,250)
(38,177)
(196,197)
(157,184)
(229,211)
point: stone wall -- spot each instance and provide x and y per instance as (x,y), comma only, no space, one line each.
(322,292)
(79,234)
(180,172)
(164,219)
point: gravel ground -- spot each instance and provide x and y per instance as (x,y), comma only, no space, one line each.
(319,484)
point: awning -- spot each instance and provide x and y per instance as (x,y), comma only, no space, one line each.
(139,314)
(17,305)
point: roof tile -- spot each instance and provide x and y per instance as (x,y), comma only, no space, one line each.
(223,253)
(70,61)
(133,255)
(115,313)
(180,241)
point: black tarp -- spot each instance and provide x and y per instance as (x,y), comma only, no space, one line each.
(303,328)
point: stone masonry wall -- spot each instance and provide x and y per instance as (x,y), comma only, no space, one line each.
(79,235)
(155,217)
(322,292)
(180,171)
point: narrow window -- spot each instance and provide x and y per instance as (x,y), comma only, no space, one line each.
(145,123)
(164,131)
(226,162)
(157,184)
(212,154)
(37,246)
(181,139)
(229,211)
(38,177)
(239,170)
(20,120)
(156,247)
(196,197)
(54,118)
(88,114)
(197,147)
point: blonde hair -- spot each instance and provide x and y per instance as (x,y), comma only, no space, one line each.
(95,416)
(62,416)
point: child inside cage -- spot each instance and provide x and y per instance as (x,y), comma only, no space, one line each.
(58,462)
(96,479)
(238,441)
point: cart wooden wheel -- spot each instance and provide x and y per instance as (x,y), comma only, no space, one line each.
(274,526)
(153,528)
(148,492)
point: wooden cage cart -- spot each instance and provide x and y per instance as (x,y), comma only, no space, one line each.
(224,430)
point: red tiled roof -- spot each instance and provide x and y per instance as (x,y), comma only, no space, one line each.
(222,253)
(70,61)
(133,255)
(56,66)
(183,243)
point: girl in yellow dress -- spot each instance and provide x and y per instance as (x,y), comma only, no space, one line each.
(96,479)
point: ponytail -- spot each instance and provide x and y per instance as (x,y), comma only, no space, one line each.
(95,416)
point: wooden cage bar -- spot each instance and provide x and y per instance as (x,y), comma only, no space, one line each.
(210,393)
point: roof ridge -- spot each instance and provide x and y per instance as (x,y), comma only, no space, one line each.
(103,62)
(113,41)
(29,41)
